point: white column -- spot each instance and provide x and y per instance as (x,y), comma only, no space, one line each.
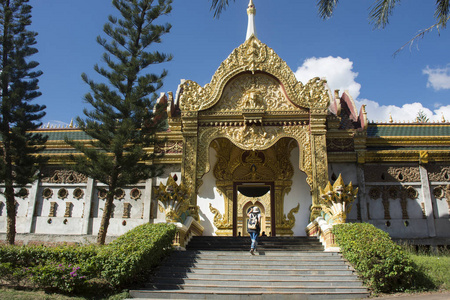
(88,198)
(148,200)
(426,195)
(33,196)
(362,193)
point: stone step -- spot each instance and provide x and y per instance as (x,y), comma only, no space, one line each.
(282,268)
(260,265)
(217,253)
(261,277)
(224,295)
(251,280)
(259,288)
(292,271)
(248,257)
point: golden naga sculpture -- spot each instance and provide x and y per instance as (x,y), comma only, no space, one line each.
(337,201)
(173,200)
(287,223)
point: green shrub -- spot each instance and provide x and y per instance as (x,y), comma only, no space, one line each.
(139,250)
(34,255)
(87,268)
(58,277)
(381,263)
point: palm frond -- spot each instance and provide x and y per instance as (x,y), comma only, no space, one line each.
(380,12)
(442,12)
(419,35)
(218,6)
(326,8)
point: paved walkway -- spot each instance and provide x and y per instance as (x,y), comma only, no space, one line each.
(445,295)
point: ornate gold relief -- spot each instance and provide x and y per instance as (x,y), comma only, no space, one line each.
(219,221)
(287,223)
(337,201)
(423,157)
(247,92)
(252,137)
(254,56)
(173,200)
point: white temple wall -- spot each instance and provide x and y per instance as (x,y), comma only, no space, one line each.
(300,193)
(77,209)
(208,194)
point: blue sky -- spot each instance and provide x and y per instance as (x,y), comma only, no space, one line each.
(345,49)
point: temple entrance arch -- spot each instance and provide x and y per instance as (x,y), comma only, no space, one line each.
(254,177)
(252,104)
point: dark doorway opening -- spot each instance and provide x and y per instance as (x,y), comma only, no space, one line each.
(258,189)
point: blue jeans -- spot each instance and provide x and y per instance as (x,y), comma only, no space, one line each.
(254,237)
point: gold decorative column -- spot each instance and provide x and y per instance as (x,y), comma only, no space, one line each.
(319,158)
(189,165)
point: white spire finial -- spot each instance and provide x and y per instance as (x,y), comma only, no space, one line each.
(251,12)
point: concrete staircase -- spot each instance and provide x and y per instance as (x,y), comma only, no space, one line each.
(282,268)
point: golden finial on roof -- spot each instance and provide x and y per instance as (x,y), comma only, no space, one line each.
(390,118)
(443,119)
(71,124)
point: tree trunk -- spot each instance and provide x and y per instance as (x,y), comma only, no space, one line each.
(101,237)
(11,215)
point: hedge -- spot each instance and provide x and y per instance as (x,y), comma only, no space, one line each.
(138,250)
(70,268)
(382,264)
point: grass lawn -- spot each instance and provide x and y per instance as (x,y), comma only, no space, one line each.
(10,294)
(436,267)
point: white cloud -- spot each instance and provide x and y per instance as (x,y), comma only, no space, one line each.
(438,78)
(337,71)
(406,113)
(339,74)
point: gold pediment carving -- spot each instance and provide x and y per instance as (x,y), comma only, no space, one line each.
(254,58)
(253,93)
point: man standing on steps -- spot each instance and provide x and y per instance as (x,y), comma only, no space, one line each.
(253,226)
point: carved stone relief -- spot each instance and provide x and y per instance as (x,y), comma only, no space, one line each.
(55,175)
(438,173)
(338,145)
(381,173)
(391,193)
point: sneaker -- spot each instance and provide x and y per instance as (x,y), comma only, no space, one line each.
(252,252)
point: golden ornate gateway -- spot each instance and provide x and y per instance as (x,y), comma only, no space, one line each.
(254,105)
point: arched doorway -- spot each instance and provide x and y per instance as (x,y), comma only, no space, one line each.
(253,177)
(248,194)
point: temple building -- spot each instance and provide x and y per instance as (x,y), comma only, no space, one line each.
(256,136)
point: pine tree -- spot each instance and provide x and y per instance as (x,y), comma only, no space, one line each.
(123,121)
(18,118)
(422,117)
